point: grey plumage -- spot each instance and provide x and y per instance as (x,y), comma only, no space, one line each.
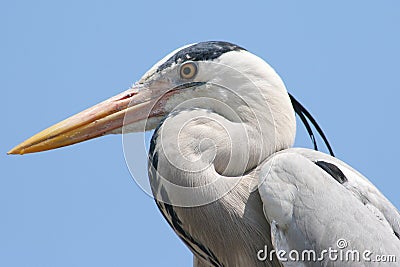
(311,199)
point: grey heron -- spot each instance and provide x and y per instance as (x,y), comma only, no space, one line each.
(222,168)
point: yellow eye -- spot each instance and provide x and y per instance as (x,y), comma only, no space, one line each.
(188,70)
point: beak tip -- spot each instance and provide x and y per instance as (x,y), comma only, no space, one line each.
(15,151)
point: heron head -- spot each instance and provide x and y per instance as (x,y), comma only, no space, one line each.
(202,75)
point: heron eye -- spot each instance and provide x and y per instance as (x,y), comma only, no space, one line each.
(188,70)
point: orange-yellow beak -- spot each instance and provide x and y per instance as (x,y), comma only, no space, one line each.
(132,106)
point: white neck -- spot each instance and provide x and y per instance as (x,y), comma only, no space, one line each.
(228,133)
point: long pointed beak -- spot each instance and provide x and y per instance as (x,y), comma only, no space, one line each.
(134,105)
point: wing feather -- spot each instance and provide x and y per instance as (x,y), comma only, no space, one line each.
(311,210)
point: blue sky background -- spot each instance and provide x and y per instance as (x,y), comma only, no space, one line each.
(78,206)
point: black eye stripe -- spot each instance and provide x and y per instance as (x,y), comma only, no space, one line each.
(200,52)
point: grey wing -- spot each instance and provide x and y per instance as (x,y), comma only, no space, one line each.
(315,202)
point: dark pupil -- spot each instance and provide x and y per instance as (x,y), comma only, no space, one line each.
(186,70)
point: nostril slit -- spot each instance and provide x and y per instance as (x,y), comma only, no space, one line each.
(127,96)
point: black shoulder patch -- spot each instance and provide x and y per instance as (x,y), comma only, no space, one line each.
(333,170)
(200,52)
(397,234)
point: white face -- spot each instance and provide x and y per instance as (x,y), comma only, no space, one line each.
(236,77)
